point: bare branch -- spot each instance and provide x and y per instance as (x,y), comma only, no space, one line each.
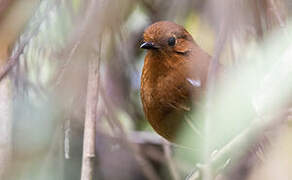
(90,124)
(11,61)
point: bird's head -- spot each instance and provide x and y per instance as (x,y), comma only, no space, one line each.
(167,37)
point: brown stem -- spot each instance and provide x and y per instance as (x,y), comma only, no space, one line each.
(88,156)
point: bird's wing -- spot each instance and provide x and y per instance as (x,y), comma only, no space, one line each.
(182,94)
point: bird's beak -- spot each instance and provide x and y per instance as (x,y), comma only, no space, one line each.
(148,45)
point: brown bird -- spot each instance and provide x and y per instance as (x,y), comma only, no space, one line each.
(173,78)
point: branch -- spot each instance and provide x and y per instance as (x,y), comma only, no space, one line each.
(11,61)
(90,124)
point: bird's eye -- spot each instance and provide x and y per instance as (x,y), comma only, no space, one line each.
(171,41)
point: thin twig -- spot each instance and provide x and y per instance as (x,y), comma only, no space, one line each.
(90,123)
(58,79)
(11,61)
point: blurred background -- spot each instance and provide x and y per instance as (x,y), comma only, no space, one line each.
(64,61)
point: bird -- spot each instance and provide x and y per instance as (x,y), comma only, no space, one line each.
(174,77)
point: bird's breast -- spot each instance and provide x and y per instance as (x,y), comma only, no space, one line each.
(164,100)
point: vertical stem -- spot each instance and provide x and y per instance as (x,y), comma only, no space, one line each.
(89,125)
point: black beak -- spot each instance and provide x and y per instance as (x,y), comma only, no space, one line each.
(148,45)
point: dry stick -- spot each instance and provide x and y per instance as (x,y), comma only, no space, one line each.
(170,162)
(11,61)
(58,80)
(88,155)
(67,130)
